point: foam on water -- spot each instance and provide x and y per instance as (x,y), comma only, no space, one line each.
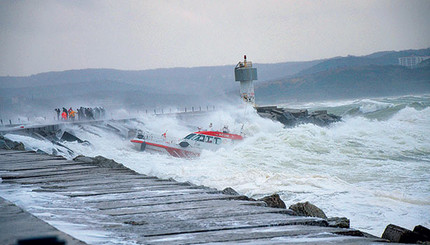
(373,167)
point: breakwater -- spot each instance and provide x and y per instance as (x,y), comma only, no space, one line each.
(376,158)
(99,196)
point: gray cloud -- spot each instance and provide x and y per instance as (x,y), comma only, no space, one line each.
(39,36)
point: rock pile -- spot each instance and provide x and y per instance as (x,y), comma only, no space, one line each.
(294,117)
(394,233)
(7,144)
(100,161)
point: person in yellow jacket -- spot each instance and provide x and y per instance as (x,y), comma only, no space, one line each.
(72,114)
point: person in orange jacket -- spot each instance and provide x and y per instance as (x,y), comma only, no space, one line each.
(72,114)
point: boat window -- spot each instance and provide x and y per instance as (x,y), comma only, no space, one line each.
(209,139)
(199,138)
(217,140)
(189,136)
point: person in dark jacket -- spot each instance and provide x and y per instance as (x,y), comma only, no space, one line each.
(57,110)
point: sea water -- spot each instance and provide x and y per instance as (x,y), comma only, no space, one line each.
(372,167)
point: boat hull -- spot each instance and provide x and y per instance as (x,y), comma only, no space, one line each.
(171,149)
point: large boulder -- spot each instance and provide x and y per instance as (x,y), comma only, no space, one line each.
(70,137)
(230,191)
(7,144)
(293,117)
(340,222)
(399,234)
(100,161)
(273,201)
(308,209)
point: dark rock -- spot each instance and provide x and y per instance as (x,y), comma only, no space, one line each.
(273,201)
(100,161)
(132,222)
(242,198)
(399,234)
(308,209)
(349,232)
(70,137)
(293,117)
(39,151)
(230,191)
(423,231)
(8,144)
(340,222)
(3,145)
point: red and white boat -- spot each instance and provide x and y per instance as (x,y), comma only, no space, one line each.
(188,147)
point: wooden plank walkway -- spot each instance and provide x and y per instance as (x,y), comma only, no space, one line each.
(127,207)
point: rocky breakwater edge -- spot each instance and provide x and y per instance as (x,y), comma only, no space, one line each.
(392,233)
(294,117)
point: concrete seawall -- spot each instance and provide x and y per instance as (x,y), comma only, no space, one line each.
(100,195)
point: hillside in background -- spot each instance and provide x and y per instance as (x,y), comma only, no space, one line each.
(172,87)
(341,77)
(347,83)
(350,77)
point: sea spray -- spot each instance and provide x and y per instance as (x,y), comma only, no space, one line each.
(372,167)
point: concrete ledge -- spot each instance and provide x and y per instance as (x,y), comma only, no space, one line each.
(17,224)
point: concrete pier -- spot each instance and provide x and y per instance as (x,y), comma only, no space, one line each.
(103,197)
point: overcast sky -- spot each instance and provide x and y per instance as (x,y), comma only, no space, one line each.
(40,36)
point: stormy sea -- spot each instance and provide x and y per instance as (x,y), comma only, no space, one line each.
(372,167)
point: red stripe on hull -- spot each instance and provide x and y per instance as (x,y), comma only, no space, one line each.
(221,135)
(176,152)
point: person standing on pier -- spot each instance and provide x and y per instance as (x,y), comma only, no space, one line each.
(64,116)
(72,114)
(64,111)
(57,110)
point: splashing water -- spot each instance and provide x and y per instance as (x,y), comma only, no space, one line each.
(373,167)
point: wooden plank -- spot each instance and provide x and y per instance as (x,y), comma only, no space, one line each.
(202,213)
(158,228)
(160,200)
(94,182)
(266,235)
(24,158)
(172,207)
(52,169)
(40,165)
(70,176)
(89,185)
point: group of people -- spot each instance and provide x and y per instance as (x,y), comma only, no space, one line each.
(82,113)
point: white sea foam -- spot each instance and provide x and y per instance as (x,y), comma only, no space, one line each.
(374,171)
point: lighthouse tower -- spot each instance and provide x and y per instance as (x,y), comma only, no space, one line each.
(245,74)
